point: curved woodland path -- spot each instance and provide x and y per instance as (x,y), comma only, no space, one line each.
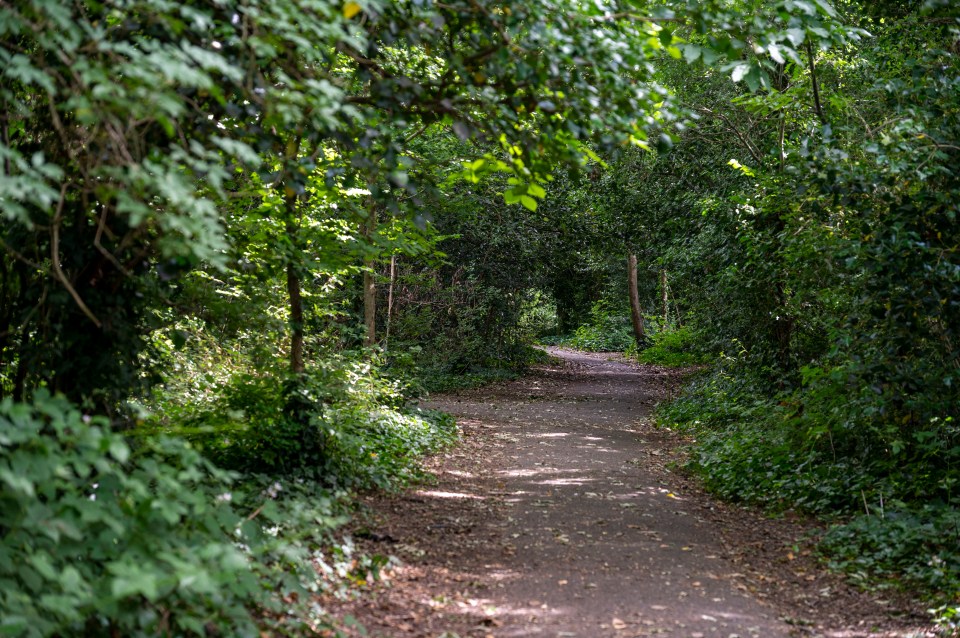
(559,516)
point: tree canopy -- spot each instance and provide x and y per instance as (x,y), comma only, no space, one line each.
(239,238)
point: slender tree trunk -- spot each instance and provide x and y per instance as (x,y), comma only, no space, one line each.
(393,279)
(369,282)
(816,85)
(296,303)
(20,378)
(665,300)
(293,276)
(636,315)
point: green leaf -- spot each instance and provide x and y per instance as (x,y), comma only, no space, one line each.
(666,37)
(691,53)
(774,51)
(528,202)
(739,72)
(754,79)
(17,483)
(135,581)
(796,36)
(119,450)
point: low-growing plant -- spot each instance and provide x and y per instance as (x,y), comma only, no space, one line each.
(675,348)
(914,547)
(607,331)
(894,520)
(342,422)
(101,538)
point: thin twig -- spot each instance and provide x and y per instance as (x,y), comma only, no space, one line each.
(755,154)
(418,133)
(106,253)
(10,249)
(55,260)
(636,17)
(783,121)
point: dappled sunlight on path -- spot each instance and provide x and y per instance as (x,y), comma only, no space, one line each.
(558,516)
(598,544)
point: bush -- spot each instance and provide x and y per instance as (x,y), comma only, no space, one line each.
(912,547)
(785,450)
(606,332)
(672,348)
(99,541)
(342,422)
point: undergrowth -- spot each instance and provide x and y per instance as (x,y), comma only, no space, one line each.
(463,376)
(606,331)
(673,348)
(102,537)
(216,511)
(340,423)
(890,494)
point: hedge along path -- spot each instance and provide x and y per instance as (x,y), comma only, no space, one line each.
(559,516)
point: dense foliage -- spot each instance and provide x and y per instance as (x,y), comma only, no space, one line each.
(240,238)
(806,240)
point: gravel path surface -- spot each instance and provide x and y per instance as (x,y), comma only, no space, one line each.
(560,516)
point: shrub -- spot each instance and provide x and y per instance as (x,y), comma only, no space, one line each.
(102,538)
(672,348)
(896,521)
(606,332)
(913,547)
(99,541)
(342,422)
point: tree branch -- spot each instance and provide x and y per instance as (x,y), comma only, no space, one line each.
(754,153)
(816,86)
(55,260)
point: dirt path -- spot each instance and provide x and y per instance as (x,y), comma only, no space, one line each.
(559,517)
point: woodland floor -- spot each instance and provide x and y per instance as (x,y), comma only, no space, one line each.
(562,513)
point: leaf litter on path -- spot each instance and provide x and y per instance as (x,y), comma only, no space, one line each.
(563,495)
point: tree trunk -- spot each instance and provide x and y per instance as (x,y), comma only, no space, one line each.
(664,297)
(293,276)
(369,282)
(296,304)
(636,315)
(393,279)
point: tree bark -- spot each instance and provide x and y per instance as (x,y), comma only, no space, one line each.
(664,297)
(369,282)
(636,315)
(296,305)
(293,276)
(393,279)
(816,85)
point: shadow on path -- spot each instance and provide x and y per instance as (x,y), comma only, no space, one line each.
(558,516)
